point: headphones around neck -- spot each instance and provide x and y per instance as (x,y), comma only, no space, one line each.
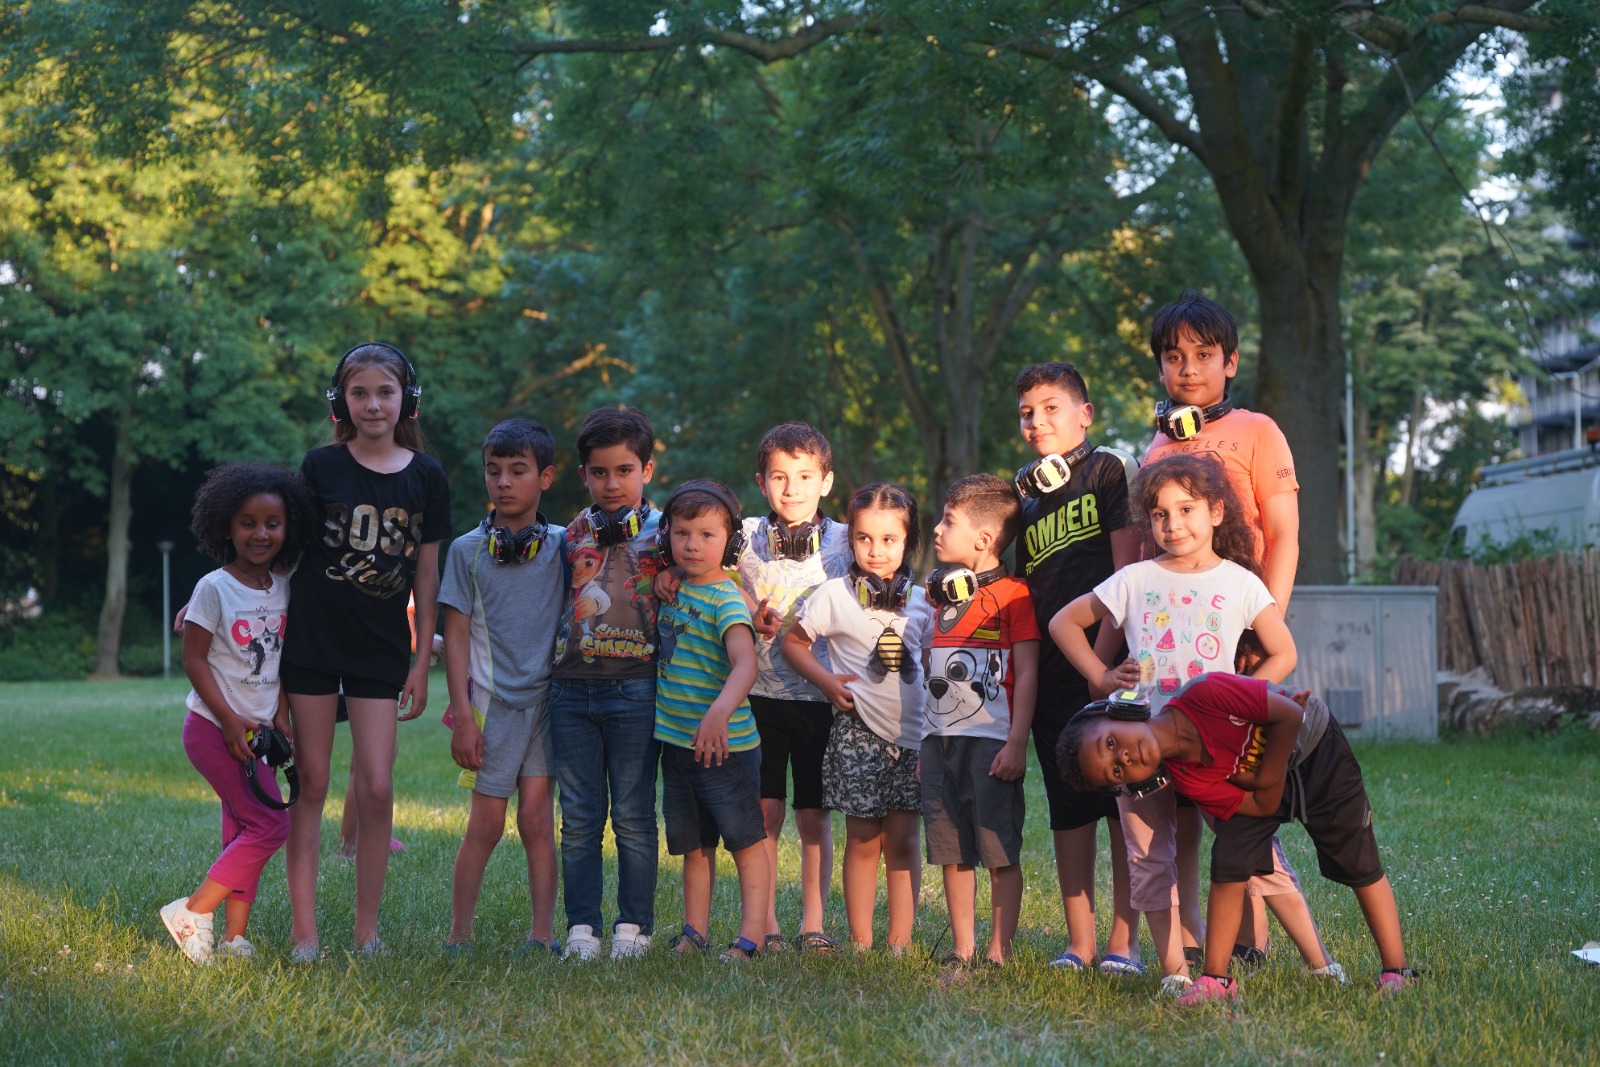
(1128,705)
(1182,422)
(519,547)
(269,744)
(1048,473)
(410,391)
(800,541)
(724,496)
(957,585)
(617,527)
(885,594)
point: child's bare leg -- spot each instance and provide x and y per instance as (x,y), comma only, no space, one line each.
(902,860)
(536,826)
(1294,915)
(772,811)
(755,889)
(1005,902)
(1189,912)
(1253,931)
(313,749)
(699,876)
(816,863)
(1224,911)
(1124,937)
(210,895)
(372,734)
(862,849)
(1383,919)
(347,817)
(1165,931)
(1075,869)
(486,821)
(961,898)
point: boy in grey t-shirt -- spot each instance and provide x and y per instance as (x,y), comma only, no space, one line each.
(500,602)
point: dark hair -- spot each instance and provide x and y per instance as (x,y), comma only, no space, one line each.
(619,425)
(1054,373)
(520,437)
(407,432)
(1202,477)
(224,492)
(797,439)
(1205,318)
(991,503)
(1068,749)
(694,498)
(886,496)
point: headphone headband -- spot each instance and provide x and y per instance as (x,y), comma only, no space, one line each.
(723,495)
(1183,422)
(410,391)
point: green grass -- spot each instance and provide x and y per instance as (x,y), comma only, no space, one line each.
(1492,847)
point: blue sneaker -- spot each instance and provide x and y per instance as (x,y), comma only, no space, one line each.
(1067,961)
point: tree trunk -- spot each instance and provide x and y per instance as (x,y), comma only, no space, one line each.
(108,641)
(1366,475)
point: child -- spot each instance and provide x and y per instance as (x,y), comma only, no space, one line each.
(875,620)
(1234,746)
(1195,342)
(603,693)
(983,669)
(499,582)
(787,555)
(710,751)
(1183,613)
(1076,532)
(248,517)
(385,505)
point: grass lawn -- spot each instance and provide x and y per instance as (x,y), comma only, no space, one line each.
(1493,848)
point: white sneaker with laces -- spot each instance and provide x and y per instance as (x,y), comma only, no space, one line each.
(191,930)
(236,947)
(628,943)
(1176,985)
(1333,972)
(582,945)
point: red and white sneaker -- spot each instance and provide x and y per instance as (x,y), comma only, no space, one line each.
(1396,981)
(1208,989)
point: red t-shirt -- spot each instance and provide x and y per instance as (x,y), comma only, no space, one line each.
(1230,713)
(970,680)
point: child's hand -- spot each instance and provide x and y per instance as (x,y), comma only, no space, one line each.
(837,693)
(1124,675)
(664,586)
(1010,763)
(585,606)
(177,620)
(414,697)
(233,731)
(282,724)
(466,742)
(711,738)
(766,621)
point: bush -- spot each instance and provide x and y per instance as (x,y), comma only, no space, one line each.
(144,659)
(56,646)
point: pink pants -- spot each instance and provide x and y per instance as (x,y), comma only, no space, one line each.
(1150,827)
(251,831)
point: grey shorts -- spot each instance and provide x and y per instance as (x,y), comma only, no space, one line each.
(969,817)
(516,744)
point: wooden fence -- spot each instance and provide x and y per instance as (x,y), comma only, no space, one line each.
(1533,622)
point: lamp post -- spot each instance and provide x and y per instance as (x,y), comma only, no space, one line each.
(165,547)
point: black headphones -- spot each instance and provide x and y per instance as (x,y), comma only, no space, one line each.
(617,527)
(519,547)
(957,585)
(724,495)
(1127,705)
(885,594)
(268,743)
(1048,473)
(800,541)
(410,391)
(1181,422)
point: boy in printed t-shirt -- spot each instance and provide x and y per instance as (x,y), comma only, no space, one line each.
(982,672)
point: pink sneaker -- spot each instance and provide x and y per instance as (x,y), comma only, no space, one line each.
(1392,982)
(1208,988)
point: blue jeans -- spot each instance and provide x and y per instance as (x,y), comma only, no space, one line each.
(606,759)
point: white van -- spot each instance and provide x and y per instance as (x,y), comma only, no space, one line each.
(1556,496)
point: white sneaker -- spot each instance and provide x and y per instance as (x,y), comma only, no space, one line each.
(236,947)
(627,943)
(582,945)
(1176,985)
(190,930)
(1333,972)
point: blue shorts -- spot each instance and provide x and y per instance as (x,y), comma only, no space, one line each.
(702,805)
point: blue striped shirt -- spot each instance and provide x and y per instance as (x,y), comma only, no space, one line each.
(692,664)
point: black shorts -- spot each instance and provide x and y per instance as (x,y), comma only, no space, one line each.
(792,732)
(307,681)
(703,805)
(1069,808)
(1325,793)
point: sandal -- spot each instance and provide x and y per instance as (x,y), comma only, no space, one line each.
(739,944)
(815,941)
(1250,958)
(774,943)
(695,938)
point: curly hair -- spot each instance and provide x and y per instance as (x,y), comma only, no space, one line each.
(1068,746)
(1203,478)
(227,488)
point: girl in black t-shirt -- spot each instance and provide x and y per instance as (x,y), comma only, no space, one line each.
(385,507)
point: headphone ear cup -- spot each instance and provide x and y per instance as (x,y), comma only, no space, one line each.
(337,406)
(410,400)
(664,542)
(735,547)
